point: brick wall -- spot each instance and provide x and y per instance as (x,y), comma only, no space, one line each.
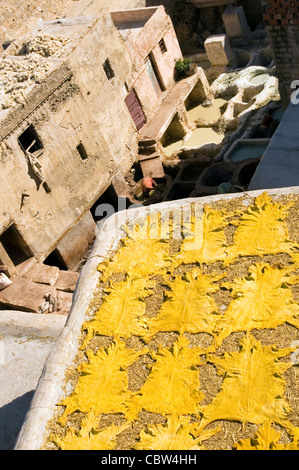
(284,12)
(281,19)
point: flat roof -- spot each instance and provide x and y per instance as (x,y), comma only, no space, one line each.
(130,22)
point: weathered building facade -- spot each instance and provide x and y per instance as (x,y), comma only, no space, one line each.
(76,133)
(282,22)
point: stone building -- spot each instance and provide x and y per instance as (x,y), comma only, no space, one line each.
(72,133)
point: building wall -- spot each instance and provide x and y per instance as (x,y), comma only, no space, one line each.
(282,23)
(104,98)
(85,108)
(78,107)
(45,218)
(158,27)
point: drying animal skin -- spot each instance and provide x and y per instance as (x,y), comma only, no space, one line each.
(47,45)
(176,434)
(206,240)
(103,384)
(295,259)
(138,259)
(262,299)
(267,438)
(253,386)
(156,226)
(189,306)
(172,386)
(89,436)
(122,311)
(18,74)
(262,229)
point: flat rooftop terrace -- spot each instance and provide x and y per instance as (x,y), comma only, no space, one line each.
(130,22)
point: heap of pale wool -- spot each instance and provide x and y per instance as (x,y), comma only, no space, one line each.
(19,73)
(47,46)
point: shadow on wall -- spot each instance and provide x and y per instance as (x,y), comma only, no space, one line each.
(12,417)
(253,12)
(168,5)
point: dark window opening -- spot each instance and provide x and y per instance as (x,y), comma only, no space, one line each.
(6,44)
(55,259)
(108,69)
(30,141)
(15,246)
(162,46)
(81,150)
(106,205)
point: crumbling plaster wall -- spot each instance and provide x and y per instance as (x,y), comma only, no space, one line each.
(105,99)
(45,218)
(86,108)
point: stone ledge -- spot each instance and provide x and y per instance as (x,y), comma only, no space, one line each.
(43,274)
(67,281)
(25,295)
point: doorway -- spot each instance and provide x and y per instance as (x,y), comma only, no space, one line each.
(55,259)
(153,74)
(105,205)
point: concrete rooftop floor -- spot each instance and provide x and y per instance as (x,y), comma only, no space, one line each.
(26,340)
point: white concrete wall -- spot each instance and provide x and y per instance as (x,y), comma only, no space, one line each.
(86,108)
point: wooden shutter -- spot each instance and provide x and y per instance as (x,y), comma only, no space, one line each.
(135,109)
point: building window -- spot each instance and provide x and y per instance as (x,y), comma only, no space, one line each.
(30,141)
(81,150)
(108,69)
(33,148)
(162,46)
